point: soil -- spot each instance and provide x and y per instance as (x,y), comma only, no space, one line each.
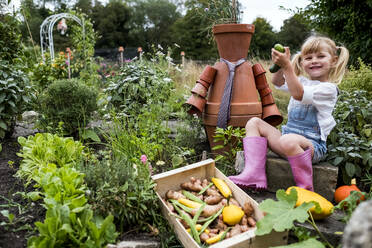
(26,213)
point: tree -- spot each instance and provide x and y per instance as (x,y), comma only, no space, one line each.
(263,39)
(347,22)
(111,23)
(293,32)
(151,22)
(190,34)
(34,16)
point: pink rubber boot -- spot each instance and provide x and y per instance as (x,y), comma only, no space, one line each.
(254,174)
(302,169)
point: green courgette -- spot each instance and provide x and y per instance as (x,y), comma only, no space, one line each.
(274,68)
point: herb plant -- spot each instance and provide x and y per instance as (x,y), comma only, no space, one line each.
(221,11)
(230,142)
(69,101)
(14,96)
(350,142)
(138,85)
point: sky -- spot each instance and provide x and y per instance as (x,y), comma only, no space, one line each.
(268,9)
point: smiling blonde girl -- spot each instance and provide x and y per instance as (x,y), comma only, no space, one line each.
(311,79)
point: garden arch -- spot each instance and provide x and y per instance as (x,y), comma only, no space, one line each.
(46,32)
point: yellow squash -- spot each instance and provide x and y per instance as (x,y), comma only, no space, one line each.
(222,187)
(189,203)
(304,195)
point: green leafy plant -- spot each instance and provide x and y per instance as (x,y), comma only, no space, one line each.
(221,11)
(14,84)
(10,217)
(11,48)
(230,141)
(16,215)
(218,12)
(68,101)
(42,149)
(124,189)
(282,214)
(69,220)
(358,78)
(350,142)
(14,96)
(138,85)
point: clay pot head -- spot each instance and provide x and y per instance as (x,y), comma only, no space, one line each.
(233,40)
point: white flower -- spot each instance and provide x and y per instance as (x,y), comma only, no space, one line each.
(160,163)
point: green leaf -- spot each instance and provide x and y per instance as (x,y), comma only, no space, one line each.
(2,97)
(338,160)
(12,104)
(34,196)
(350,169)
(281,214)
(66,227)
(90,134)
(309,243)
(3,125)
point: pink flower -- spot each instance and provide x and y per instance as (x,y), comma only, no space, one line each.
(143,159)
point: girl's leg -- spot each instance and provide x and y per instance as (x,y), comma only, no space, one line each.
(258,134)
(293,144)
(258,127)
(299,152)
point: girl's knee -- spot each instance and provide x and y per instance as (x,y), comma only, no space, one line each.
(253,123)
(288,143)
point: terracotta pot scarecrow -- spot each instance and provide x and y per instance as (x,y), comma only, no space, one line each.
(226,94)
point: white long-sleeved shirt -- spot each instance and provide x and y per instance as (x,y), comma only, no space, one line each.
(323,96)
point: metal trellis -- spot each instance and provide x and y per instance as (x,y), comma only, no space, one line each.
(46,32)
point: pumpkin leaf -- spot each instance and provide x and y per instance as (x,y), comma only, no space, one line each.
(281,214)
(309,243)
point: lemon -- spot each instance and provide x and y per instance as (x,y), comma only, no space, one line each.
(232,214)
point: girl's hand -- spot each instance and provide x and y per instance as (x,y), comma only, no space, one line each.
(281,59)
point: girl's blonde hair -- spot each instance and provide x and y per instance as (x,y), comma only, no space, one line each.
(315,44)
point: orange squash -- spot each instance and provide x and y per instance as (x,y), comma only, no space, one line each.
(343,192)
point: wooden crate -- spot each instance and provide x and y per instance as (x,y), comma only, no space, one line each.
(206,169)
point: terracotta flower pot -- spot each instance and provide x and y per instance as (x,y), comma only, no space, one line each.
(196,104)
(233,40)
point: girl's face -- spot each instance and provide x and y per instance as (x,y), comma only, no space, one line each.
(318,64)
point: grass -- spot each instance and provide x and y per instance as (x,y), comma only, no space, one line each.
(186,78)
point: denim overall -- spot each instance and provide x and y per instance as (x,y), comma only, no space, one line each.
(302,120)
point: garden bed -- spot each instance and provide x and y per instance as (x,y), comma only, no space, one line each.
(15,235)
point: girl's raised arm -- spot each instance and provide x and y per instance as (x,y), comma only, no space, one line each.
(283,60)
